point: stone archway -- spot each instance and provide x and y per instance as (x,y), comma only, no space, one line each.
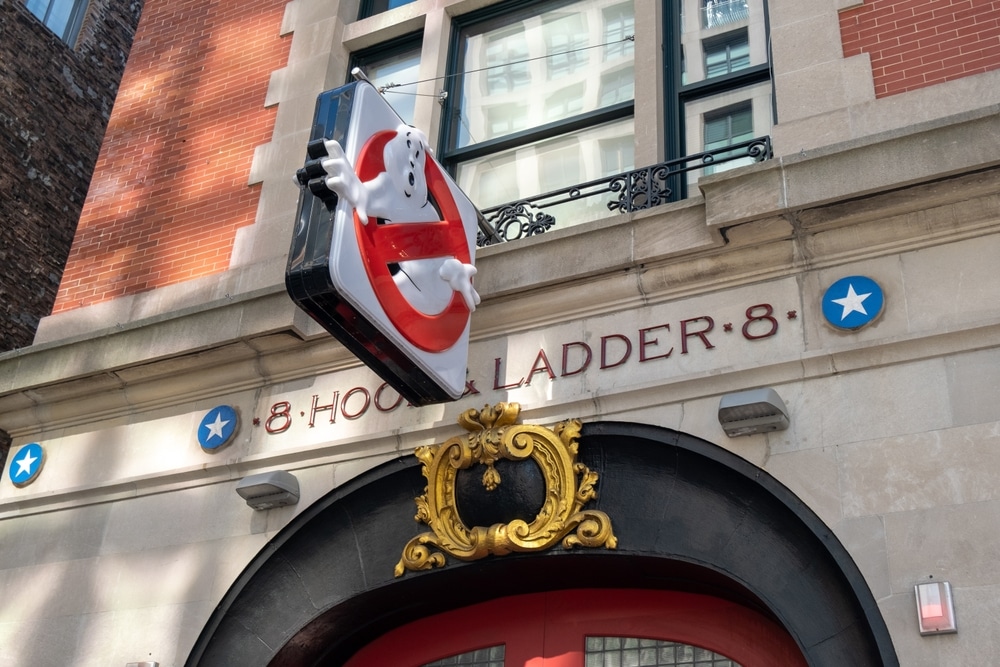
(689,516)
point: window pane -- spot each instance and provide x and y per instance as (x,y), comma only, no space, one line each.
(726,118)
(38,7)
(720,37)
(727,54)
(402,67)
(720,13)
(618,652)
(546,65)
(60,16)
(552,164)
(492,656)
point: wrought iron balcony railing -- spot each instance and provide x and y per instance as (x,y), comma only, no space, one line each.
(630,191)
(718,13)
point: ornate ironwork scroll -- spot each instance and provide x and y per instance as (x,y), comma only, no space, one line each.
(634,190)
(514,221)
(495,435)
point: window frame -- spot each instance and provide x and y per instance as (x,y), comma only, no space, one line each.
(723,44)
(74,23)
(495,14)
(383,51)
(677,94)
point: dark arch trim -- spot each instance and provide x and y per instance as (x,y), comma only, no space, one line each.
(689,516)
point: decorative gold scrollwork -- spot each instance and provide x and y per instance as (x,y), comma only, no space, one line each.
(494,434)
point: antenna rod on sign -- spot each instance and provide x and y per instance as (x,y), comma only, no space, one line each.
(359,75)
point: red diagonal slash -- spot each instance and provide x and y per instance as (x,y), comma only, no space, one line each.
(382,245)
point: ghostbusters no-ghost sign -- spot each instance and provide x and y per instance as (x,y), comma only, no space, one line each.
(384,246)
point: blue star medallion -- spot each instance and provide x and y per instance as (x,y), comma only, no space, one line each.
(217,427)
(852,302)
(26,464)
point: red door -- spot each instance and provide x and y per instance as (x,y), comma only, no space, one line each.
(551,629)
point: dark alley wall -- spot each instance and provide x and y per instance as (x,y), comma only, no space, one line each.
(55,101)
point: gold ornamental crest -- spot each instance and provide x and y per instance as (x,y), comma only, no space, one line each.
(494,435)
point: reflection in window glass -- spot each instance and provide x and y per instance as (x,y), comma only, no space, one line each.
(552,164)
(506,53)
(398,72)
(617,86)
(730,38)
(705,119)
(492,656)
(617,155)
(63,17)
(565,42)
(634,652)
(558,162)
(725,128)
(728,126)
(718,13)
(727,55)
(506,119)
(619,23)
(520,58)
(565,102)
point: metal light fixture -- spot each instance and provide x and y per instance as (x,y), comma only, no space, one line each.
(266,490)
(753,411)
(935,610)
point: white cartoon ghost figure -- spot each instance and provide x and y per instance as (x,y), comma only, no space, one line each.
(399,194)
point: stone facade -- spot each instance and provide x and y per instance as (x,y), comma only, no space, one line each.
(55,105)
(132,535)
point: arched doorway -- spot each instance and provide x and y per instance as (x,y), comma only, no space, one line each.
(690,518)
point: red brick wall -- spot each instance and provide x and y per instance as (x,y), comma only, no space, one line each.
(917,43)
(170,186)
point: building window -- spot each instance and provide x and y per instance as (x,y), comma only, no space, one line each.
(602,651)
(617,86)
(372,7)
(566,40)
(483,657)
(506,61)
(728,126)
(541,95)
(722,94)
(63,17)
(563,71)
(619,25)
(394,67)
(727,54)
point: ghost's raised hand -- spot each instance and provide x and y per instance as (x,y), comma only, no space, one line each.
(459,278)
(342,179)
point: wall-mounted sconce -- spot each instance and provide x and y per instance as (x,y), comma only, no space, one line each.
(269,489)
(147,663)
(935,610)
(753,411)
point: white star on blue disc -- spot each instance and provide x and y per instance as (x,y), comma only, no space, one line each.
(26,464)
(852,302)
(217,427)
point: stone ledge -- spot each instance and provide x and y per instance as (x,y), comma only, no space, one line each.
(851,170)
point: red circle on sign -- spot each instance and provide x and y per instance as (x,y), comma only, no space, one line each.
(398,241)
